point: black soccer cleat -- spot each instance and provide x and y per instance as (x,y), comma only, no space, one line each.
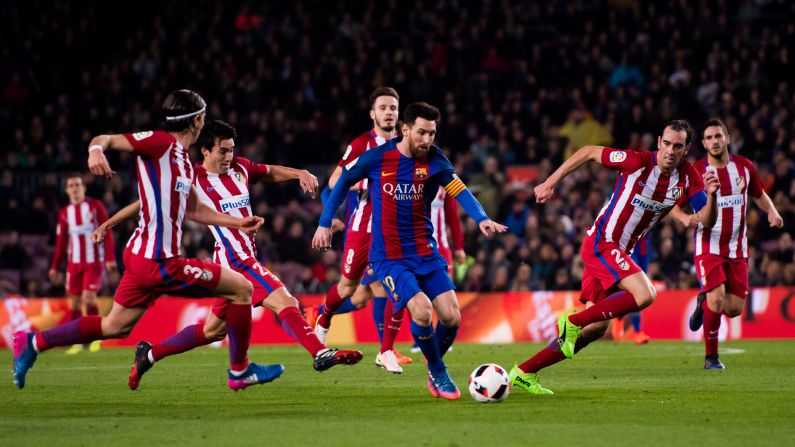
(713,362)
(697,317)
(330,357)
(141,364)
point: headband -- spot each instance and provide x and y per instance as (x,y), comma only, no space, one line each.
(187,115)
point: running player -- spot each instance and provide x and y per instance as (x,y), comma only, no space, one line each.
(84,259)
(721,252)
(152,261)
(403,177)
(222,181)
(384,102)
(648,186)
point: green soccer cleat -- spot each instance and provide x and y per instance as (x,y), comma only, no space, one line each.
(567,335)
(527,381)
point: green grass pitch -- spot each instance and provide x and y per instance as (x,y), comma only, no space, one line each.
(611,394)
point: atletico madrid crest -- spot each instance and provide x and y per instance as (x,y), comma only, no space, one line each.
(740,181)
(421,173)
(676,193)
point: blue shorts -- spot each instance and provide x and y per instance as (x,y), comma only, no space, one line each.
(404,278)
(368,277)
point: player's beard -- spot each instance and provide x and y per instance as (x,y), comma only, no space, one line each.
(385,128)
(418,152)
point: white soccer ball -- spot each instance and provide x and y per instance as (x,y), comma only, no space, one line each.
(489,383)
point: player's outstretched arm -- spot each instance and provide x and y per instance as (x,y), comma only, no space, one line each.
(457,189)
(128,212)
(97,162)
(773,217)
(198,211)
(355,171)
(545,190)
(305,178)
(708,214)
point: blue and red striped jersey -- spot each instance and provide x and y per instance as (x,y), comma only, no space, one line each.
(401,190)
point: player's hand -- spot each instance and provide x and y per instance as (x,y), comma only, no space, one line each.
(251,224)
(110,266)
(460,256)
(489,226)
(337,225)
(711,182)
(322,239)
(53,274)
(544,192)
(98,164)
(308,183)
(691,221)
(775,220)
(98,235)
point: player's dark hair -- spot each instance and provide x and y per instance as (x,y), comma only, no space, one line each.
(680,126)
(383,91)
(213,131)
(179,109)
(72,175)
(715,122)
(420,110)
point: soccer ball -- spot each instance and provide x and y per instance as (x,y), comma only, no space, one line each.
(489,383)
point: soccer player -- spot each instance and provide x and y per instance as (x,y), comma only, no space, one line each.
(152,257)
(222,181)
(384,103)
(721,252)
(403,177)
(84,259)
(648,185)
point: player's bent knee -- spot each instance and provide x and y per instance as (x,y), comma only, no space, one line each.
(215,334)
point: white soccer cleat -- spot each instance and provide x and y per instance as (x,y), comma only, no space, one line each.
(389,362)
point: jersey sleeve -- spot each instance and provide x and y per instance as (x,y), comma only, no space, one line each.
(444,173)
(109,243)
(755,187)
(150,144)
(624,160)
(357,169)
(256,171)
(694,191)
(61,240)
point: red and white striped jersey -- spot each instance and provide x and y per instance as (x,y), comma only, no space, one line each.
(76,222)
(729,238)
(444,214)
(165,177)
(642,196)
(228,194)
(361,218)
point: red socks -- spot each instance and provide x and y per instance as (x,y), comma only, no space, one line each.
(392,324)
(238,326)
(82,330)
(297,327)
(333,302)
(711,329)
(184,340)
(617,305)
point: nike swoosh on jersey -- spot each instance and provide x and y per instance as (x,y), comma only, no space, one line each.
(386,174)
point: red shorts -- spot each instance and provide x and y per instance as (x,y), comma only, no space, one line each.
(146,279)
(605,265)
(355,254)
(447,254)
(713,270)
(80,277)
(262,279)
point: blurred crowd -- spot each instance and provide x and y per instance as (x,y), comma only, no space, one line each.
(520,84)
